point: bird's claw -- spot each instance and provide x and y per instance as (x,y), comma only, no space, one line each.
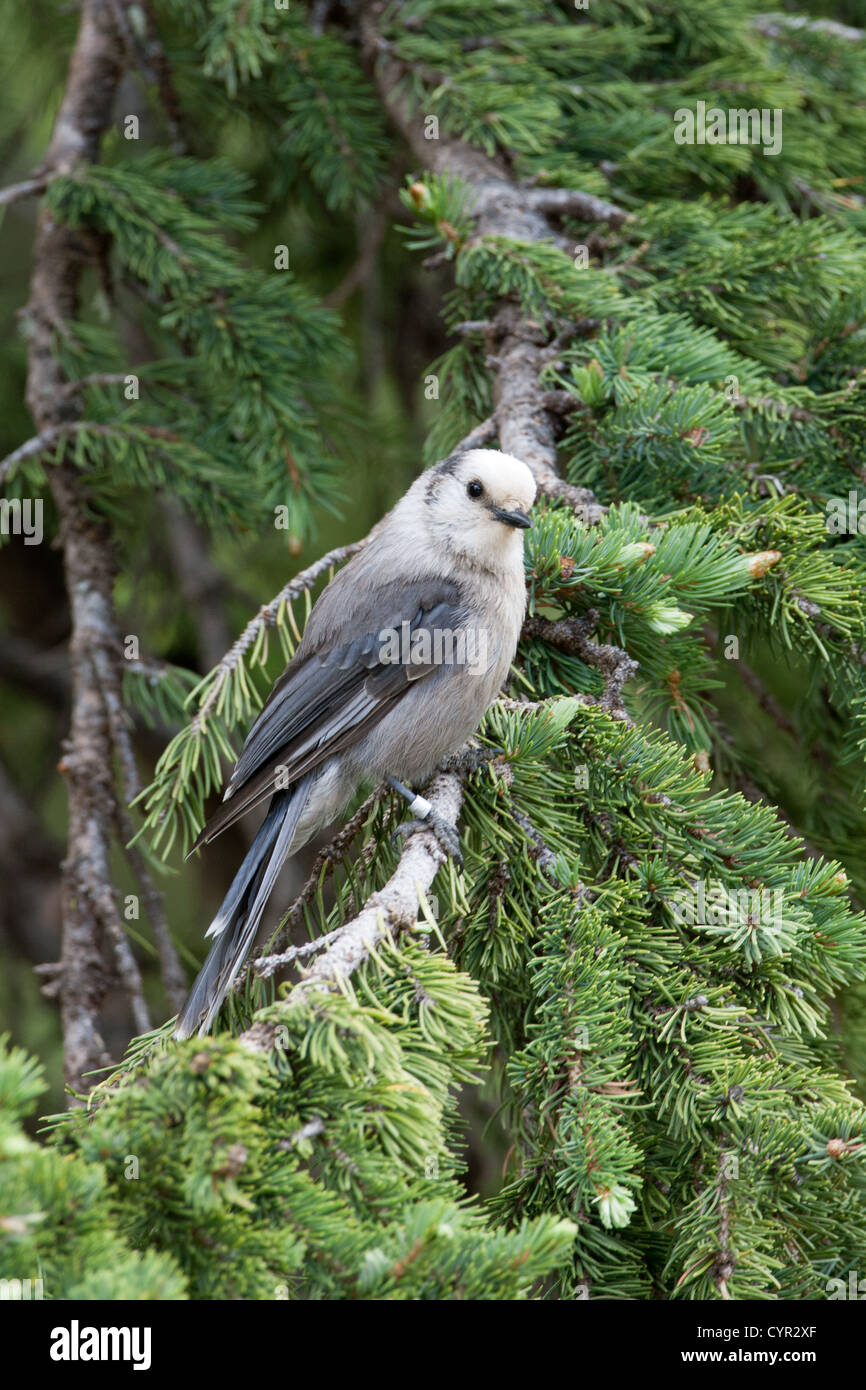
(445,833)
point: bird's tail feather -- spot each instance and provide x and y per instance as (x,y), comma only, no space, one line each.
(235,925)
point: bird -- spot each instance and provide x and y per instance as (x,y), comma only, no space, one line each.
(402,654)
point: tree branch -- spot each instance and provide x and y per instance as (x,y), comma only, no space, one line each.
(502,208)
(388,912)
(203,587)
(60,257)
(371,238)
(267,616)
(570,202)
(52,434)
(782,26)
(148,54)
(28,188)
(571,635)
(326,859)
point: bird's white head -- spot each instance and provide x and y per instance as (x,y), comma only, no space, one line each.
(478,503)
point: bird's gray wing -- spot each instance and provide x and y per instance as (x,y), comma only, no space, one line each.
(326,701)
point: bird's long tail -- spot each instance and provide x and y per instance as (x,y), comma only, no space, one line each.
(235,925)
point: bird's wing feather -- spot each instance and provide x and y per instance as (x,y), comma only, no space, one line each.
(327,700)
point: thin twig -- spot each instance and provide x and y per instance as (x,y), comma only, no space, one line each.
(70,388)
(571,635)
(265,966)
(372,237)
(783,26)
(541,851)
(392,909)
(28,188)
(31,447)
(149,56)
(203,588)
(327,859)
(267,617)
(171,971)
(52,434)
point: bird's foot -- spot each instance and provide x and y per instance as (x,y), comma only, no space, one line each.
(445,833)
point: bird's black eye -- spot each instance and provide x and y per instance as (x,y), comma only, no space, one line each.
(474,489)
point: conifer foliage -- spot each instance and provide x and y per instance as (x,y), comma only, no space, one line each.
(646,969)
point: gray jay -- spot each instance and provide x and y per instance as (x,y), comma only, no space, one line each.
(402,654)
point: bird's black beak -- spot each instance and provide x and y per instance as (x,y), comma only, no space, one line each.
(515,518)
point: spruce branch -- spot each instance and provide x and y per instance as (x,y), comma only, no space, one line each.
(87,429)
(32,448)
(266,617)
(501,208)
(572,635)
(266,965)
(390,910)
(393,908)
